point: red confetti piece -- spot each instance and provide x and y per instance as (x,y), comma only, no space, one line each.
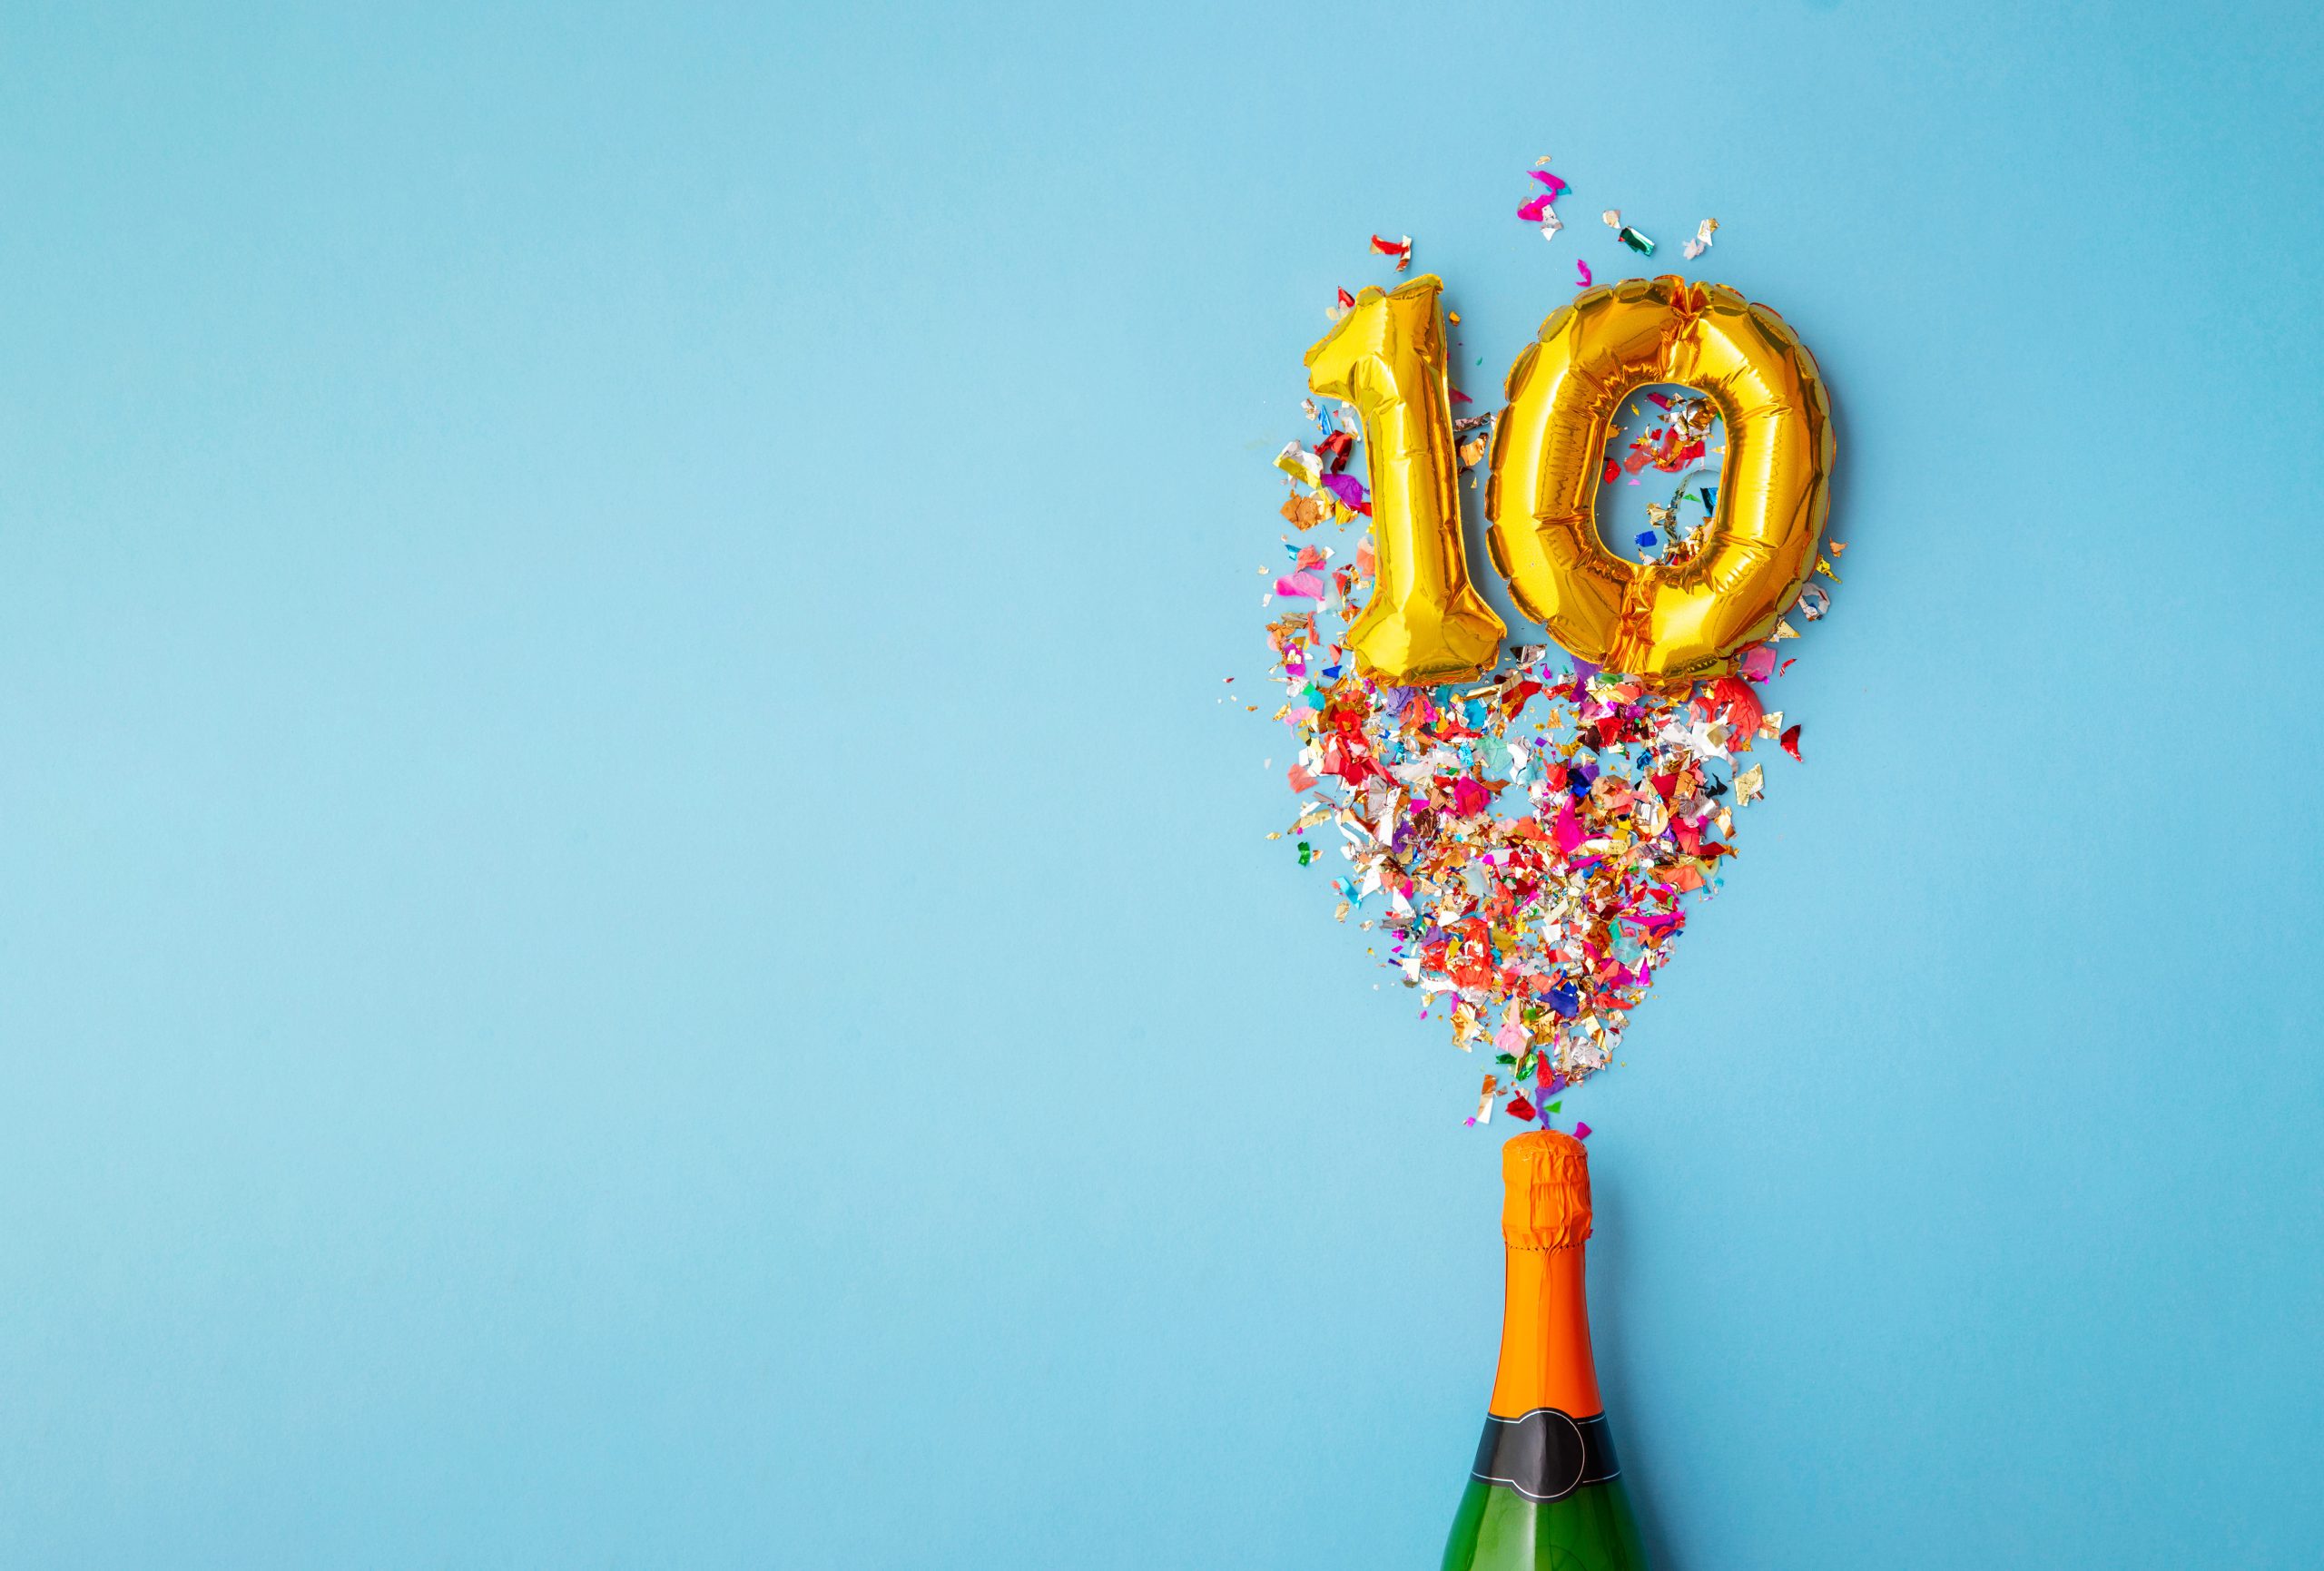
(1732,697)
(1789,741)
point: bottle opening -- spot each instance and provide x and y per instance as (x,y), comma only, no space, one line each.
(1545,1175)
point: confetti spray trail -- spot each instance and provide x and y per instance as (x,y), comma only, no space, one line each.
(1530,844)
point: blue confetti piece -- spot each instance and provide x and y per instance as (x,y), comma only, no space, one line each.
(1647,538)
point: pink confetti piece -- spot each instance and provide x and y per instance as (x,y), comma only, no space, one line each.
(1567,833)
(1301,585)
(1583,267)
(1533,210)
(1350,490)
(1581,1130)
(1558,187)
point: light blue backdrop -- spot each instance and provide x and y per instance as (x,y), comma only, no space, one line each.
(634,936)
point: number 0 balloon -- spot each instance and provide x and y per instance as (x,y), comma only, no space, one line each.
(1685,616)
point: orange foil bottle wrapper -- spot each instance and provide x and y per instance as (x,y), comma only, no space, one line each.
(1546,1178)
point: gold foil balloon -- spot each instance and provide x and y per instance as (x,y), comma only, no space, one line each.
(1426,622)
(1686,616)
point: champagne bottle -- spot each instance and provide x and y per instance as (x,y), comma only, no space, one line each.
(1546,1493)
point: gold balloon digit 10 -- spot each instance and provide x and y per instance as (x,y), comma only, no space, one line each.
(1670,621)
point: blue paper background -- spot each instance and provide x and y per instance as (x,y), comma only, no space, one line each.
(634,936)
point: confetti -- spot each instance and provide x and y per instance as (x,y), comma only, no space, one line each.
(1625,234)
(1790,742)
(1583,267)
(1483,1113)
(1400,250)
(1300,464)
(1307,512)
(1701,243)
(1350,492)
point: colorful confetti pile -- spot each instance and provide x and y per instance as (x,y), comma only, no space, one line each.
(1530,845)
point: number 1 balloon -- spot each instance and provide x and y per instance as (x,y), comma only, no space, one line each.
(1426,622)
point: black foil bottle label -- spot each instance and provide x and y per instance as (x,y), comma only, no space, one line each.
(1546,1455)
